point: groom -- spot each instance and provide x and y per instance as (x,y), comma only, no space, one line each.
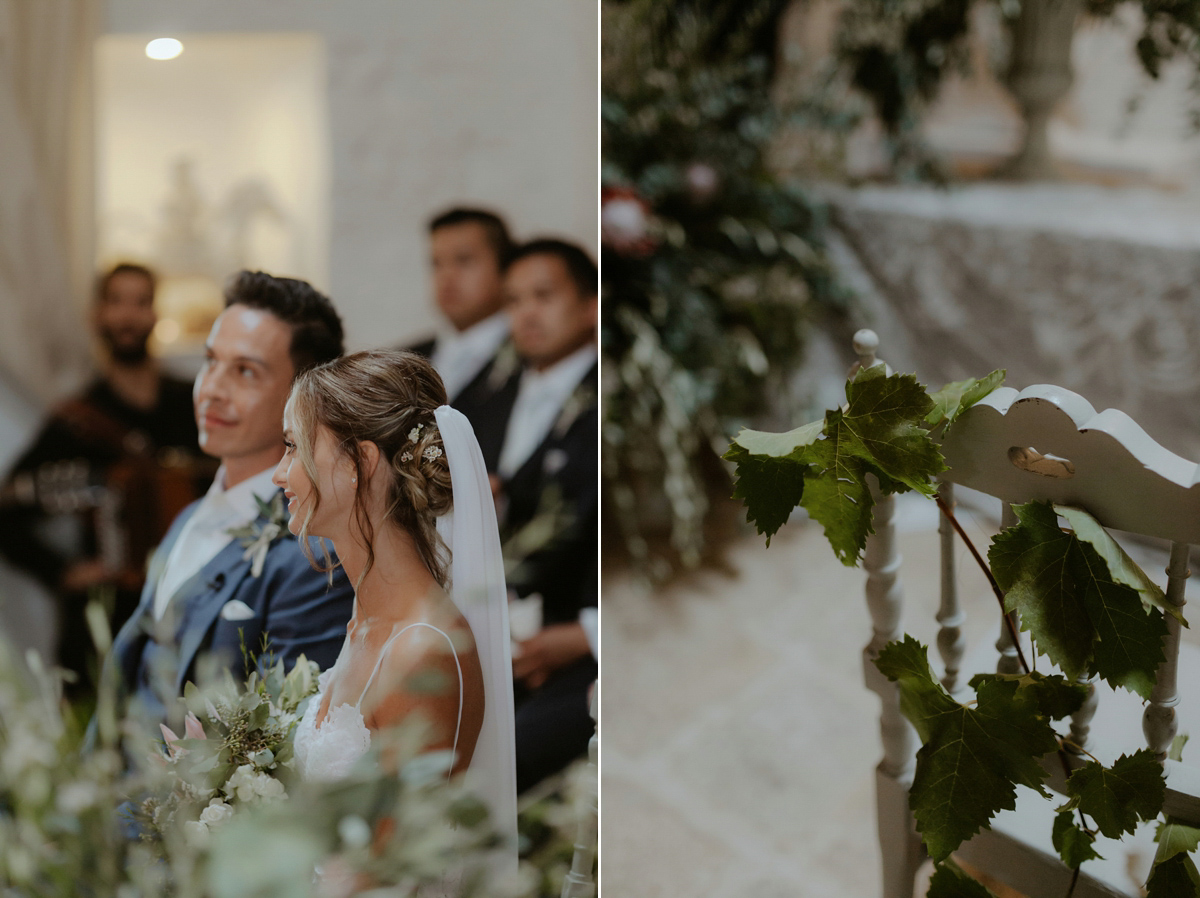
(228,574)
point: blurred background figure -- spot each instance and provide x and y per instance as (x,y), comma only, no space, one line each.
(471,350)
(546,493)
(110,468)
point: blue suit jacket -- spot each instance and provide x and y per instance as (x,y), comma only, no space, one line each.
(294,605)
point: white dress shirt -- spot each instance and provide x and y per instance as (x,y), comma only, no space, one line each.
(541,396)
(206,531)
(458,356)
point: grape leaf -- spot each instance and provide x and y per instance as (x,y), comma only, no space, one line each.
(836,495)
(1174,878)
(949,881)
(1073,844)
(780,445)
(1121,567)
(1083,618)
(770,473)
(1174,837)
(770,487)
(1117,797)
(823,465)
(1053,695)
(955,398)
(971,758)
(884,425)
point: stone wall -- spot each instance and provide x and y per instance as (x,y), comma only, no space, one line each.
(429,104)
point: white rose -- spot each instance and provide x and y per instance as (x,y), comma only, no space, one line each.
(241,784)
(216,813)
(269,787)
(196,832)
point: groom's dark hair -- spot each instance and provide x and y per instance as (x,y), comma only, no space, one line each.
(317,335)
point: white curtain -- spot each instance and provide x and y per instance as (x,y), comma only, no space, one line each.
(45,194)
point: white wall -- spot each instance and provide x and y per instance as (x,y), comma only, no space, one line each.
(429,104)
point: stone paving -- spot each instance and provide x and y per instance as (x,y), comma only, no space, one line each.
(738,741)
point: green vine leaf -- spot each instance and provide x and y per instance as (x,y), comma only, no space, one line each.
(955,398)
(1085,618)
(1054,696)
(1118,797)
(1174,878)
(770,473)
(1174,837)
(1073,843)
(884,425)
(949,881)
(823,466)
(971,759)
(837,496)
(1121,567)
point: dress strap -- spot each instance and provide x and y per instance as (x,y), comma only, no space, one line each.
(379,664)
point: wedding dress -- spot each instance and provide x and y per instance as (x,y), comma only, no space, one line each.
(328,751)
(477,588)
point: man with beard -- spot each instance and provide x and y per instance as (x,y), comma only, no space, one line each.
(86,499)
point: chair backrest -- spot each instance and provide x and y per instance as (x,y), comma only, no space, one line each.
(1041,443)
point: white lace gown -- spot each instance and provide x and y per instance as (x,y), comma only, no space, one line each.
(327,752)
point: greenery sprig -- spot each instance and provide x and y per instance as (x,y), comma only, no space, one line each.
(1085,603)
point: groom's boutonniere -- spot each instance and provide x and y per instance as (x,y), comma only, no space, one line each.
(256,538)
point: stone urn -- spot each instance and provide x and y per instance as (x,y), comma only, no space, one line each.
(1039,76)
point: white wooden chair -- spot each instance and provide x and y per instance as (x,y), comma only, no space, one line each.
(1101,462)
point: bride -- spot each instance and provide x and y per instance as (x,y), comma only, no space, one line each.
(378,464)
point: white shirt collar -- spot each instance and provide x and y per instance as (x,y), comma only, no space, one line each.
(487,334)
(567,371)
(460,356)
(238,501)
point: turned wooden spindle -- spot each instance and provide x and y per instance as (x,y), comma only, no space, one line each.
(1158,720)
(1081,720)
(951,641)
(1009,662)
(866,341)
(900,846)
(579,881)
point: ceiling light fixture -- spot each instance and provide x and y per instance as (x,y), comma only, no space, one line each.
(164,48)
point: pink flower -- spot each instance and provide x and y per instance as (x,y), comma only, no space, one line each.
(193,729)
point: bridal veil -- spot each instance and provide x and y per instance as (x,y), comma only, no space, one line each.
(478,590)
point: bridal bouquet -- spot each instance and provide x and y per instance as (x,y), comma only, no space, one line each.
(236,750)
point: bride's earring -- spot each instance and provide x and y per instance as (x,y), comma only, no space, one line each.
(354,481)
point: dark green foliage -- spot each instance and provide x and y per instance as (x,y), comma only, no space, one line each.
(823,465)
(1176,877)
(1073,843)
(1121,796)
(971,758)
(1086,617)
(950,882)
(707,313)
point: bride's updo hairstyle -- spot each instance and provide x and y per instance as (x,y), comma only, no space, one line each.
(387,397)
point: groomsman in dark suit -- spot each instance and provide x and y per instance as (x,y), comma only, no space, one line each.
(472,351)
(228,573)
(546,487)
